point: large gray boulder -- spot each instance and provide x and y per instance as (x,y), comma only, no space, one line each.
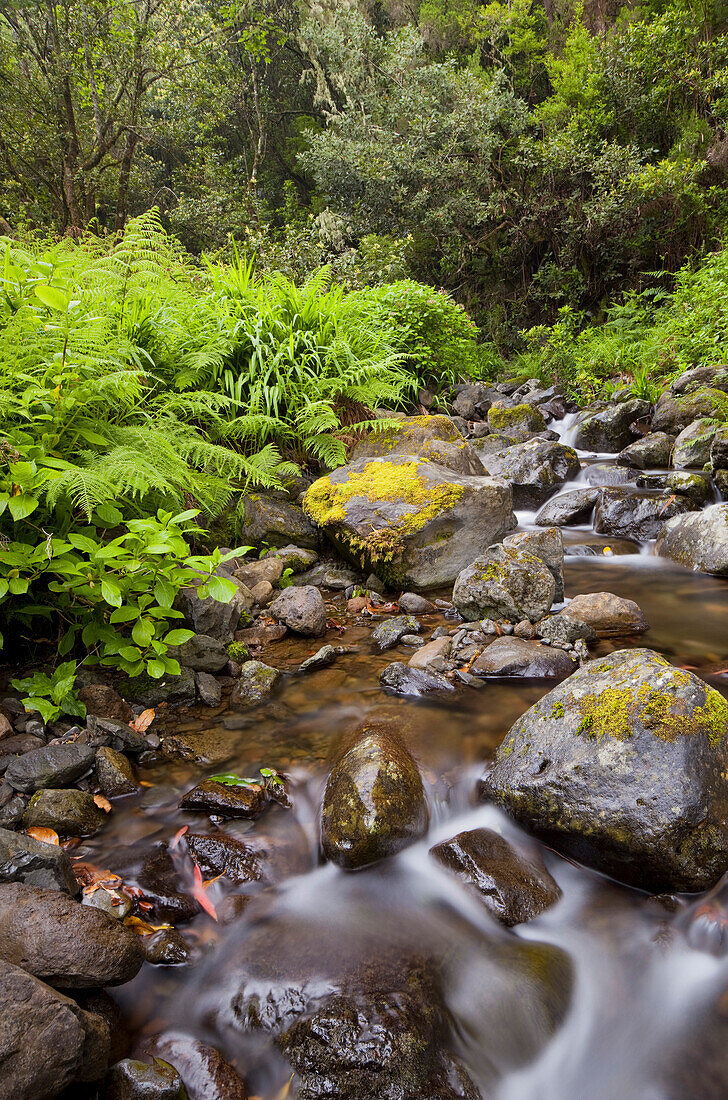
(374,804)
(301,609)
(434,439)
(548,545)
(412,523)
(50,766)
(623,767)
(504,583)
(629,515)
(698,540)
(575,507)
(609,430)
(519,422)
(653,450)
(672,414)
(211,617)
(534,470)
(692,446)
(274,522)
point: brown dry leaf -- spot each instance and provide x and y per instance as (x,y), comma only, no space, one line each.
(142,928)
(91,878)
(103,803)
(48,836)
(144,721)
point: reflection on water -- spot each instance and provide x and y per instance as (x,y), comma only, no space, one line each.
(620,1002)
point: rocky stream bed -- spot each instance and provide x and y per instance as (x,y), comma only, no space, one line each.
(470,835)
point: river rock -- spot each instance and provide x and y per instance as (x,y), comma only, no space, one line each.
(609,615)
(105,701)
(504,583)
(608,430)
(698,540)
(212,618)
(25,859)
(219,854)
(519,422)
(411,603)
(389,632)
(434,439)
(252,573)
(50,766)
(473,401)
(302,609)
(270,521)
(513,883)
(690,380)
(205,1074)
(158,879)
(115,773)
(563,629)
(625,514)
(534,470)
(209,689)
(548,545)
(402,679)
(437,650)
(411,522)
(225,800)
(46,1041)
(692,446)
(70,813)
(67,944)
(374,804)
(256,683)
(574,507)
(131,1079)
(651,451)
(202,653)
(516,657)
(622,766)
(673,414)
(719,450)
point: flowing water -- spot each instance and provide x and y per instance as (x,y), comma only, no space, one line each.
(645,994)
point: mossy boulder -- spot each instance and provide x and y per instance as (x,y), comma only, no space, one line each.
(623,767)
(719,450)
(411,522)
(504,583)
(255,685)
(698,540)
(672,414)
(519,422)
(432,438)
(651,451)
(548,545)
(534,470)
(692,446)
(608,430)
(374,804)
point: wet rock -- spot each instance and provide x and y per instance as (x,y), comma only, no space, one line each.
(326,575)
(12,812)
(388,633)
(302,609)
(115,773)
(640,516)
(166,948)
(24,859)
(209,689)
(673,414)
(651,451)
(257,682)
(212,618)
(719,449)
(516,657)
(698,540)
(173,690)
(295,558)
(134,1080)
(50,766)
(519,422)
(70,813)
(473,401)
(115,903)
(159,881)
(374,804)
(218,854)
(206,1075)
(55,938)
(322,658)
(416,524)
(513,883)
(621,767)
(721,483)
(609,616)
(104,700)
(696,487)
(410,603)
(574,507)
(262,634)
(47,1041)
(609,430)
(225,800)
(273,522)
(202,653)
(262,593)
(691,380)
(408,680)
(563,629)
(433,439)
(251,573)
(436,650)
(692,446)
(504,583)
(534,470)
(548,545)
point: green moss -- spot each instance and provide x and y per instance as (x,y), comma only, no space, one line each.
(502,417)
(715,402)
(614,712)
(713,716)
(237,651)
(606,714)
(557,711)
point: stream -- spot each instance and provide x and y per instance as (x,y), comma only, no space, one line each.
(643,994)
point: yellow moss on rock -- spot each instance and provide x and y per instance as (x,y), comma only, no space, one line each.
(613,712)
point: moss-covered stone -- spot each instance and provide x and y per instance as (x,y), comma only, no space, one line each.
(517,421)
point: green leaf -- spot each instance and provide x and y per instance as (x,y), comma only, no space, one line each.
(164,592)
(125,614)
(52,297)
(111,592)
(130,653)
(22,505)
(221,589)
(156,668)
(18,585)
(142,632)
(232,780)
(93,438)
(178,637)
(172,666)
(108,514)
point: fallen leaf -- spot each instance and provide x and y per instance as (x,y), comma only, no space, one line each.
(178,836)
(198,892)
(144,721)
(103,803)
(48,836)
(143,928)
